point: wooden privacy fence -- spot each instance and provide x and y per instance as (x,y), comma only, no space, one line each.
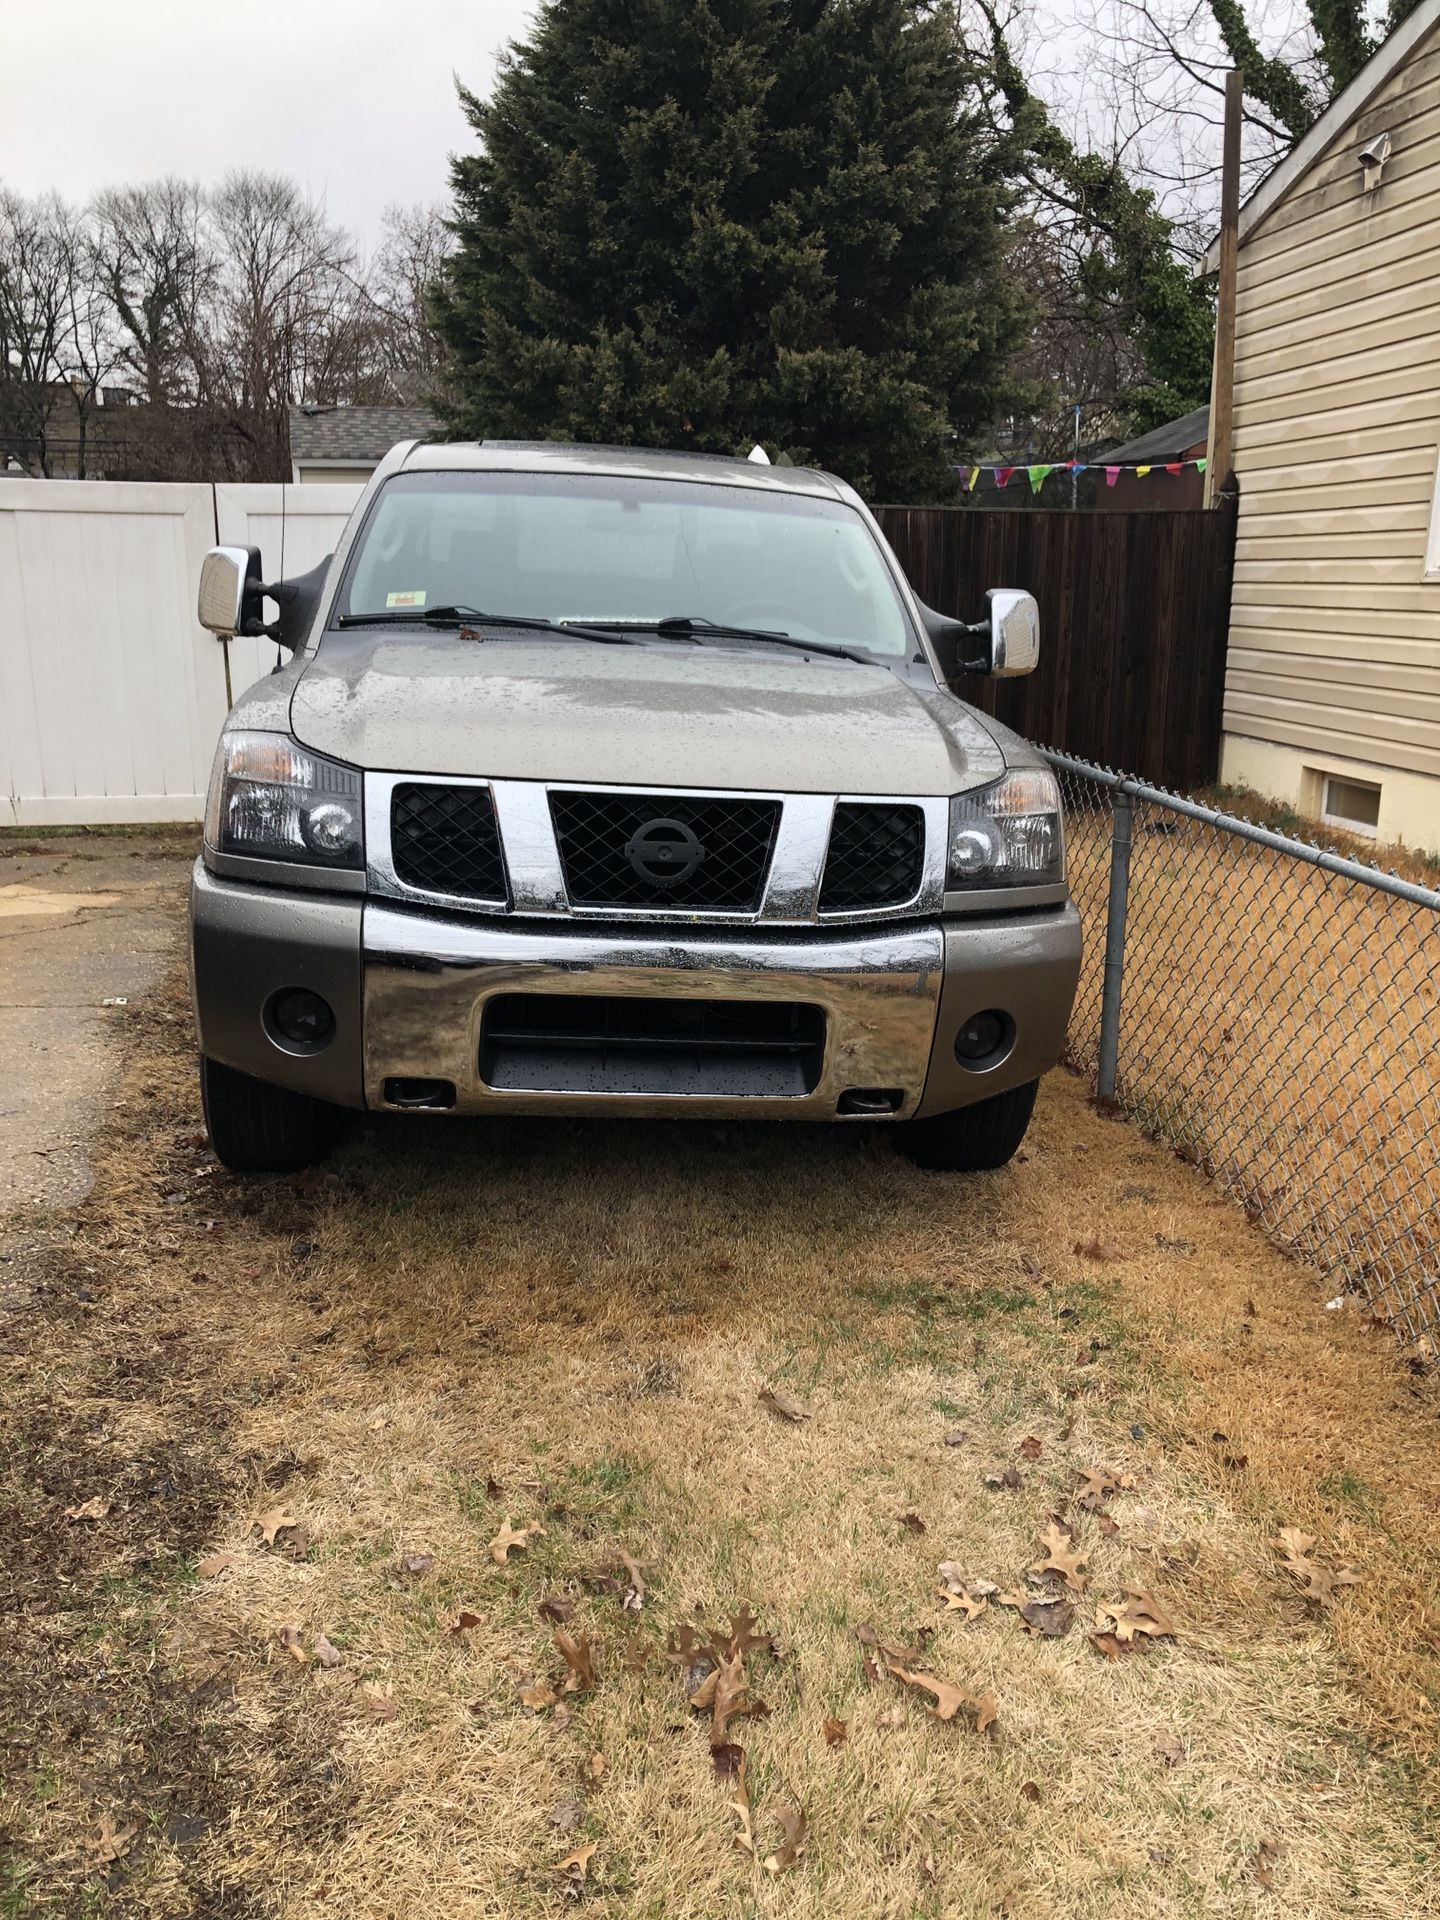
(1134,611)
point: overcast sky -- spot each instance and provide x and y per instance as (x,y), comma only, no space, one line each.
(353,98)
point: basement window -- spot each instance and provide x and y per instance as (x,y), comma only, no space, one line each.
(1353,805)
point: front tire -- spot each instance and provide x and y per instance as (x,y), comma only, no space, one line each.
(974,1139)
(258,1128)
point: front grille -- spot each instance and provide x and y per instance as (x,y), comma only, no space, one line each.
(589,1043)
(446,840)
(664,849)
(876,857)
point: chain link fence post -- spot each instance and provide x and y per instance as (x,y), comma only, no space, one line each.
(1115,917)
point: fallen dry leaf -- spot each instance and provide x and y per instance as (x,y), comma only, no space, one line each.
(1031,1792)
(575,1864)
(954,1576)
(700,1686)
(1051,1618)
(567,1814)
(948,1699)
(1169,1748)
(732,1699)
(1112,1648)
(110,1843)
(1062,1555)
(596,1766)
(294,1645)
(962,1600)
(1323,1581)
(1140,1613)
(635,1593)
(215,1563)
(1032,1446)
(776,1400)
(741,1635)
(578,1656)
(912,1523)
(537,1695)
(1010,1480)
(1108,1527)
(464,1621)
(1267,1858)
(836,1732)
(792,1825)
(417,1563)
(1098,1486)
(508,1538)
(325,1652)
(1294,1544)
(273,1521)
(555,1610)
(1320,1580)
(377,1697)
(1095,1249)
(94,1509)
(727,1759)
(740,1806)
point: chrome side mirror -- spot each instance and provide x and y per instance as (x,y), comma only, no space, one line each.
(229,590)
(1014,632)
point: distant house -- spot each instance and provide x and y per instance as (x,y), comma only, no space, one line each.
(1177,441)
(1332,693)
(348,443)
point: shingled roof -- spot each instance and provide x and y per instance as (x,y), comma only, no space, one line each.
(355,434)
(1170,442)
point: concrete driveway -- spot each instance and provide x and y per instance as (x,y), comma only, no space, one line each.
(85,923)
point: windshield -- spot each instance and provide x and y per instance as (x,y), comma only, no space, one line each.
(600,547)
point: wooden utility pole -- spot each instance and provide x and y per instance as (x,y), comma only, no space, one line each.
(1220,452)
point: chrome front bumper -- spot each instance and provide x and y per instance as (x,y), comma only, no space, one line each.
(428,983)
(410,990)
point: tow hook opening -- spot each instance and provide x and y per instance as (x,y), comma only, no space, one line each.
(437,1094)
(866,1102)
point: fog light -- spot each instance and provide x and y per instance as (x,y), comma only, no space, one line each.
(983,1037)
(302,1018)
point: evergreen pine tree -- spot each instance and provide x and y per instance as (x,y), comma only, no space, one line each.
(703,223)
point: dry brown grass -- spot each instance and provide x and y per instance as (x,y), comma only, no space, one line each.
(584,1317)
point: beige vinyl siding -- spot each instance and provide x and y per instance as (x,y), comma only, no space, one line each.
(1335,631)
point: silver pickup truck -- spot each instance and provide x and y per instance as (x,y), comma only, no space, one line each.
(622,783)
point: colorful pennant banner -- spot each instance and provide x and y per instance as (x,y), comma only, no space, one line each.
(970,477)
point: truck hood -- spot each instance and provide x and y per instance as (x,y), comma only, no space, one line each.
(648,715)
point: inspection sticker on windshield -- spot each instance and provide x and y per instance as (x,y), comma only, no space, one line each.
(412,599)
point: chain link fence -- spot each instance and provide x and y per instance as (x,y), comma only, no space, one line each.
(1272,1011)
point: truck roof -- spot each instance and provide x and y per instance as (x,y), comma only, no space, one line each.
(558,456)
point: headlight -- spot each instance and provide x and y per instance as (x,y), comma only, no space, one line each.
(273,799)
(1008,835)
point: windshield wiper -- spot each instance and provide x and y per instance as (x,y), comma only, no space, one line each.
(694,626)
(455,616)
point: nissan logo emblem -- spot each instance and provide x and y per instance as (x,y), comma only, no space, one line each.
(664,852)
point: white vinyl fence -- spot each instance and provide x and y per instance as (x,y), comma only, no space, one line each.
(111,693)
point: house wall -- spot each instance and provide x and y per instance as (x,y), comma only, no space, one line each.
(1334,656)
(328,473)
